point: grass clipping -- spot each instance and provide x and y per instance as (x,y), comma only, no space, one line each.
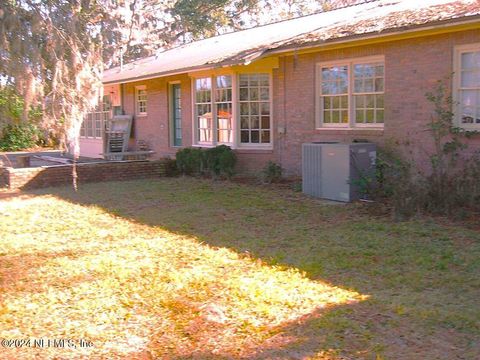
(75,272)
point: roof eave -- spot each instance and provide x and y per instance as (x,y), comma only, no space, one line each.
(226,63)
(443,26)
(451,25)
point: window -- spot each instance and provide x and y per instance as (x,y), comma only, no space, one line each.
(334,95)
(254,100)
(351,94)
(223,106)
(203,109)
(141,100)
(176,114)
(467,86)
(231,109)
(94,122)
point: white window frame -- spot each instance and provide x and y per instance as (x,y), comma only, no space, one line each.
(137,101)
(236,144)
(241,145)
(456,84)
(196,139)
(350,63)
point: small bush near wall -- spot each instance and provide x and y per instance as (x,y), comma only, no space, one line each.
(452,187)
(171,168)
(219,161)
(271,173)
(190,161)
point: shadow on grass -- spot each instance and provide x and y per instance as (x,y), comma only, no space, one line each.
(415,310)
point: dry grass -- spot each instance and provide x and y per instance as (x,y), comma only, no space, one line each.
(182,268)
(71,271)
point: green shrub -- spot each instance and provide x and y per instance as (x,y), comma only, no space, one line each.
(190,161)
(271,173)
(220,161)
(19,136)
(217,161)
(171,168)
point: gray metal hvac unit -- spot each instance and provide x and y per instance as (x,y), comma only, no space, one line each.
(331,170)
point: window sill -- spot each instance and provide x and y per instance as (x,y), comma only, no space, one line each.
(141,115)
(245,149)
(469,129)
(258,150)
(365,130)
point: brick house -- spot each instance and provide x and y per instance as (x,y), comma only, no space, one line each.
(359,72)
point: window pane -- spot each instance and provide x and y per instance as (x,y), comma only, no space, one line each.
(224,81)
(368,85)
(326,117)
(224,114)
(360,101)
(264,94)
(326,102)
(265,108)
(370,101)
(203,84)
(335,102)
(255,122)
(368,78)
(360,116)
(264,79)
(82,128)
(244,109)
(336,117)
(244,122)
(265,136)
(243,80)
(255,134)
(370,118)
(470,60)
(244,136)
(254,94)
(468,104)
(379,116)
(335,80)
(379,99)
(243,94)
(265,122)
(470,79)
(254,109)
(358,85)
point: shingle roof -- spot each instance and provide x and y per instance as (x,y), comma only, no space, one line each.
(372,18)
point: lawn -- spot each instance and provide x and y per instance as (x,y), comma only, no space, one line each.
(196,269)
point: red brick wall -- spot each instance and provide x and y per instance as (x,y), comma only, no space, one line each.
(155,127)
(412,68)
(40,177)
